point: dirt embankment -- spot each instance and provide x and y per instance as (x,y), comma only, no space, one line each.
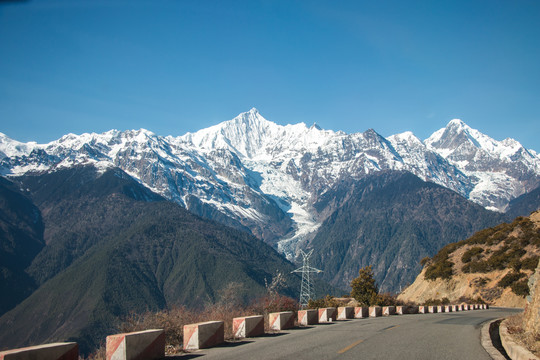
(481,265)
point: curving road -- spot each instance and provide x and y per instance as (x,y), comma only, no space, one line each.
(423,336)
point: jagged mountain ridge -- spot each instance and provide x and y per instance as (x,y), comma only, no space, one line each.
(251,173)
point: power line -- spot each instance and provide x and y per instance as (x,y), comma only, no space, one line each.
(307,290)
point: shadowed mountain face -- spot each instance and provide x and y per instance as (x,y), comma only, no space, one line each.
(114,247)
(524,205)
(21,239)
(391,220)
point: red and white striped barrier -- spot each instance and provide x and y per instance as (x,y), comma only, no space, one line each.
(248,326)
(432,309)
(345,312)
(148,344)
(308,317)
(281,320)
(55,351)
(327,314)
(423,309)
(375,311)
(203,335)
(361,312)
(389,310)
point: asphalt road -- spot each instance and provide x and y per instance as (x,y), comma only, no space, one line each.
(423,336)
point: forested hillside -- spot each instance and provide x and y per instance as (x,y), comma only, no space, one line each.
(391,220)
(113,248)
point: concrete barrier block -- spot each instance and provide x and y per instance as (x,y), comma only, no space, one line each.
(441,309)
(361,312)
(423,309)
(487,306)
(453,308)
(345,312)
(402,310)
(308,317)
(148,344)
(389,310)
(375,311)
(203,335)
(54,351)
(281,320)
(327,314)
(248,326)
(432,309)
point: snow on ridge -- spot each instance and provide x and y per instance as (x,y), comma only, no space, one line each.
(11,147)
(230,164)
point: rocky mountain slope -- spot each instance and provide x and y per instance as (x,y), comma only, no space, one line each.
(390,220)
(255,175)
(494,263)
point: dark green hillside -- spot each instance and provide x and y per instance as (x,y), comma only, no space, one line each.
(79,212)
(21,239)
(114,254)
(391,220)
(524,205)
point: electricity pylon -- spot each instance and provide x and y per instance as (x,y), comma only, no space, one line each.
(306,289)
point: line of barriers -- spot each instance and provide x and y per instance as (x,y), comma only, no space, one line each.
(150,344)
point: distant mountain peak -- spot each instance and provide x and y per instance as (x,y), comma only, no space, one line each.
(457,123)
(315,126)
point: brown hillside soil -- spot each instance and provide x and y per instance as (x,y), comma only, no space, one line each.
(482,283)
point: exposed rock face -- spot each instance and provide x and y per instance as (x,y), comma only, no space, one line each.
(531,318)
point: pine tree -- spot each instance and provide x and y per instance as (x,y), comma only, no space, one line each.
(364,288)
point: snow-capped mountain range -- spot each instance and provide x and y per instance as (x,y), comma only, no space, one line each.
(251,173)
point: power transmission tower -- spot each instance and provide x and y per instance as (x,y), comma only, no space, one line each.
(306,289)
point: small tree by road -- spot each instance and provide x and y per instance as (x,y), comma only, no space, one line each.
(364,288)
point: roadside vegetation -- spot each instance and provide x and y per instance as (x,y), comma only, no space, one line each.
(501,247)
(228,306)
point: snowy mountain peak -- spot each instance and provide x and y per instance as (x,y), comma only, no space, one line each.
(10,147)
(457,123)
(243,135)
(405,137)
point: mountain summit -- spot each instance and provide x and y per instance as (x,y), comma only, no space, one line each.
(500,170)
(256,175)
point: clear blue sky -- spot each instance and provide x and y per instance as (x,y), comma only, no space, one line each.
(178,66)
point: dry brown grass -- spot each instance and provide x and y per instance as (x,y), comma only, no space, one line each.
(172,320)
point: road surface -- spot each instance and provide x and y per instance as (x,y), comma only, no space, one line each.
(423,336)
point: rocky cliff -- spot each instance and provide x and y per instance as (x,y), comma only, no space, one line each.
(531,323)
